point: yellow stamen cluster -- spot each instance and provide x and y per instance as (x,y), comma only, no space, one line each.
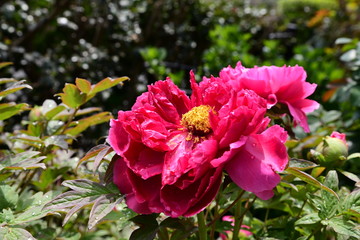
(197,121)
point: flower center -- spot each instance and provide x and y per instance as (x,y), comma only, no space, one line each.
(197,120)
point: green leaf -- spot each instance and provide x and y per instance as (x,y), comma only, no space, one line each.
(48,105)
(352,201)
(106,84)
(309,179)
(301,164)
(84,123)
(148,227)
(34,141)
(54,111)
(8,196)
(7,80)
(343,40)
(53,126)
(71,96)
(354,155)
(330,204)
(87,186)
(83,84)
(57,140)
(6,216)
(8,110)
(70,199)
(332,180)
(342,226)
(14,88)
(64,115)
(308,219)
(102,206)
(4,64)
(22,161)
(84,192)
(48,176)
(93,152)
(12,233)
(100,157)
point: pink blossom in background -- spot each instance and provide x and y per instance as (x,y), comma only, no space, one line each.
(228,234)
(284,85)
(172,149)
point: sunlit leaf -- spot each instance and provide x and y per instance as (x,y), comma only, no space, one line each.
(15,233)
(4,64)
(84,192)
(301,164)
(36,209)
(54,111)
(343,40)
(8,196)
(84,123)
(8,110)
(22,161)
(71,96)
(93,152)
(64,115)
(308,219)
(14,88)
(352,201)
(7,80)
(57,140)
(87,186)
(353,156)
(100,157)
(349,175)
(343,226)
(83,84)
(53,126)
(102,206)
(48,105)
(309,179)
(106,84)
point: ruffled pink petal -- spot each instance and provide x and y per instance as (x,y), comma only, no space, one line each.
(299,117)
(186,157)
(228,155)
(118,138)
(170,102)
(253,167)
(142,160)
(196,98)
(195,197)
(214,92)
(122,180)
(155,135)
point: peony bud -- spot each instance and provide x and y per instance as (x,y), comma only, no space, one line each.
(35,114)
(332,151)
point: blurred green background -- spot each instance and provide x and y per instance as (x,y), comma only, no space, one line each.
(51,42)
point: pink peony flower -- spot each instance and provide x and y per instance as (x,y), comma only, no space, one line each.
(284,85)
(242,232)
(172,149)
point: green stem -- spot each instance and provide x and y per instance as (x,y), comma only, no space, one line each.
(202,226)
(216,213)
(301,209)
(163,233)
(226,209)
(238,220)
(69,121)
